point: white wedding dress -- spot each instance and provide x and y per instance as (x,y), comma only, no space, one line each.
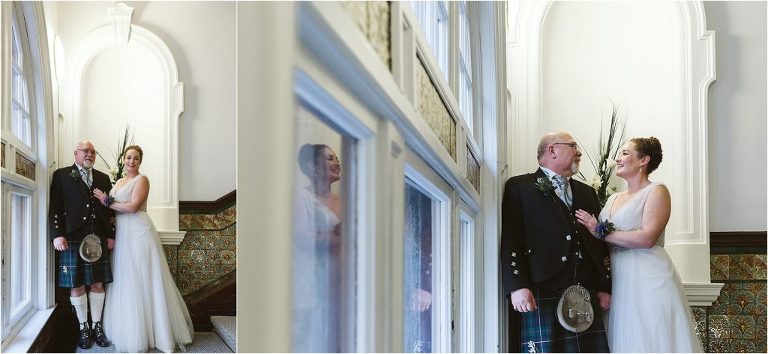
(649,311)
(144,309)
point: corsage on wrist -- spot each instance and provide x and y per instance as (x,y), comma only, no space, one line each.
(603,229)
(109,200)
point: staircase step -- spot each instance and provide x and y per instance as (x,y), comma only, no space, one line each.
(226,328)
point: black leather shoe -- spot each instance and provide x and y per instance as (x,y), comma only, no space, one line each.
(99,336)
(85,337)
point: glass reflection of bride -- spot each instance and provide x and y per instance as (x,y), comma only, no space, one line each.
(317,241)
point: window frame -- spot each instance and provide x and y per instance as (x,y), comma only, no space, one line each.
(423,178)
(338,110)
(29,18)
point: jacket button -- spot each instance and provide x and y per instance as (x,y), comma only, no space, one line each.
(568,237)
(514,263)
(515,271)
(514,254)
(83,217)
(564,258)
(87,205)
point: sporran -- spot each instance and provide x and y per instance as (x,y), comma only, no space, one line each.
(574,310)
(90,248)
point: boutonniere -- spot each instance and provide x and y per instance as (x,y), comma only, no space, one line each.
(544,185)
(74,175)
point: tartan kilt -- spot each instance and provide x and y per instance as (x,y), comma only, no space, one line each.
(74,271)
(541,332)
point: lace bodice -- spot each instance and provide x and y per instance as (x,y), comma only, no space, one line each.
(629,216)
(125,192)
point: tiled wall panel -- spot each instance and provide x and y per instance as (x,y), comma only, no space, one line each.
(736,322)
(432,108)
(208,251)
(372,18)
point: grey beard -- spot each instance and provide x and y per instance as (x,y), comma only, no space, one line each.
(575,167)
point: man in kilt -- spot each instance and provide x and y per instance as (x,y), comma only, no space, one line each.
(75,213)
(544,251)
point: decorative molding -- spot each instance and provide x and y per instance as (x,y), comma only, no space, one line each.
(164,208)
(120,15)
(738,239)
(172,238)
(2,155)
(208,207)
(702,294)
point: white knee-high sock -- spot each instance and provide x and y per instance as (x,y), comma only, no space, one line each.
(97,304)
(81,307)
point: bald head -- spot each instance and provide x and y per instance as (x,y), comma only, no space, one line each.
(549,139)
(559,152)
(85,154)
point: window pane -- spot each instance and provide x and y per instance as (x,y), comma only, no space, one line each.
(418,271)
(433,21)
(18,59)
(20,122)
(465,67)
(20,244)
(323,257)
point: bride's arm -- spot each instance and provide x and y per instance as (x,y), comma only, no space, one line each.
(655,217)
(138,197)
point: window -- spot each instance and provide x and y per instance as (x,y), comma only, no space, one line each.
(324,247)
(20,252)
(21,125)
(465,68)
(433,19)
(418,271)
(427,288)
(24,271)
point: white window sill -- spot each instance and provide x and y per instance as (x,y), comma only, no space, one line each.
(27,335)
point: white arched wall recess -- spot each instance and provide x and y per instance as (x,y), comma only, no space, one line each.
(541,89)
(125,75)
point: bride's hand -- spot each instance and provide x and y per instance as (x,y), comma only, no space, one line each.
(101,196)
(588,220)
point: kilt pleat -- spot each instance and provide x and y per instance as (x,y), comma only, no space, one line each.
(541,331)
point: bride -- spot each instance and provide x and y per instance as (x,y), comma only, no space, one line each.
(144,307)
(649,311)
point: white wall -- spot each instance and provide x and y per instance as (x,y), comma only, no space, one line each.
(597,52)
(201,36)
(737,117)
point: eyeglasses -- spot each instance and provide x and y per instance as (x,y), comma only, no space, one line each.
(574,146)
(87,151)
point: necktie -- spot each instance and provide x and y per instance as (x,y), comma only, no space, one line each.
(562,189)
(86,177)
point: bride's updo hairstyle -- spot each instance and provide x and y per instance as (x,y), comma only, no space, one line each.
(137,148)
(308,154)
(649,147)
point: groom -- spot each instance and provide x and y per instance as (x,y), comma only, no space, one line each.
(74,214)
(544,251)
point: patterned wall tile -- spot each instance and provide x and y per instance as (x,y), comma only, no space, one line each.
(25,166)
(432,108)
(208,250)
(473,170)
(719,266)
(700,321)
(758,269)
(737,319)
(372,18)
